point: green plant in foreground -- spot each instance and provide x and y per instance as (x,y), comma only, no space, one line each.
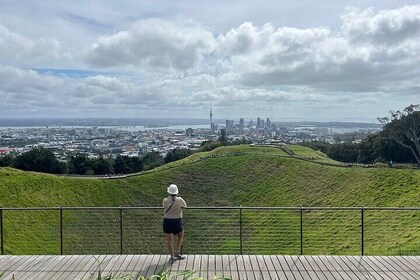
(162,275)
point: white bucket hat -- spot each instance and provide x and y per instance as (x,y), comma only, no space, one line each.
(173,189)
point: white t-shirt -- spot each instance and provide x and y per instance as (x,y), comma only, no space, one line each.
(175,212)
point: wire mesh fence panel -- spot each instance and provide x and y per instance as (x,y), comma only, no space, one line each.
(31,232)
(271,231)
(390,232)
(91,231)
(331,232)
(1,232)
(142,231)
(211,231)
(214,231)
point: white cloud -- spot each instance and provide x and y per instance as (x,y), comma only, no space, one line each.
(246,96)
(18,49)
(244,39)
(153,43)
(27,87)
(40,91)
(383,27)
(13,44)
(27,82)
(174,61)
(323,60)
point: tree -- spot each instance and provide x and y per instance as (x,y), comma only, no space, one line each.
(241,141)
(346,152)
(126,165)
(367,151)
(209,146)
(223,137)
(404,128)
(177,154)
(101,166)
(40,160)
(152,160)
(135,164)
(79,165)
(121,165)
(6,161)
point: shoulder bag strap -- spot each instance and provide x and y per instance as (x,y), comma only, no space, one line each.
(170,206)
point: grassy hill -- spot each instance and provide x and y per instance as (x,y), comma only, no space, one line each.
(227,176)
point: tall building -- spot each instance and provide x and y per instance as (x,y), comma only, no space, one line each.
(211,119)
(258,123)
(189,131)
(229,126)
(241,125)
(268,123)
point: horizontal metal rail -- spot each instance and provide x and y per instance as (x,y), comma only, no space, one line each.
(215,208)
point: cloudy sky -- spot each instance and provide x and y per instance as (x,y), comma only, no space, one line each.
(287,60)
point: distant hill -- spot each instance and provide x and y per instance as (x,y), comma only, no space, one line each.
(227,176)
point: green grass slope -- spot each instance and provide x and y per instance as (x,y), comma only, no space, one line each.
(227,176)
(308,153)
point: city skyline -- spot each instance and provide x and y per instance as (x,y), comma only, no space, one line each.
(306,61)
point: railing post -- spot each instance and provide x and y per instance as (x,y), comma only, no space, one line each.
(362,212)
(1,230)
(240,230)
(121,230)
(301,230)
(61,229)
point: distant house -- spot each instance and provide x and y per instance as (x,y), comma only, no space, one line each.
(6,151)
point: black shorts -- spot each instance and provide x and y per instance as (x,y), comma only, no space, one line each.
(172,226)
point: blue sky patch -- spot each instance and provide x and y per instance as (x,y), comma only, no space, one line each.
(72,73)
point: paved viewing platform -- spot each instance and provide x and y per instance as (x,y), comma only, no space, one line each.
(207,266)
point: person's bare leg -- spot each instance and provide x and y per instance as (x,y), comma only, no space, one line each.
(179,242)
(170,243)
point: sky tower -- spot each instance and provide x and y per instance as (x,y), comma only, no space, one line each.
(211,118)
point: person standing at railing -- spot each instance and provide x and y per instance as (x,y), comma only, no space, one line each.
(172,222)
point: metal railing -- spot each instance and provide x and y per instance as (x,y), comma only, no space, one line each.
(213,230)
